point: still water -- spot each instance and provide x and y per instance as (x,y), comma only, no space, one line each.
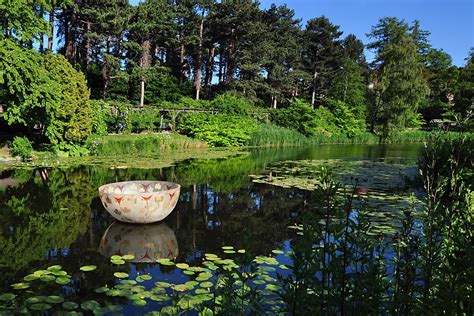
(54,216)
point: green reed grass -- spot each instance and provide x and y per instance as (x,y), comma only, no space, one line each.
(141,144)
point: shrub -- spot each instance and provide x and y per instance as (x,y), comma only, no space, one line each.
(299,115)
(231,103)
(217,130)
(144,119)
(345,118)
(99,114)
(21,147)
(72,119)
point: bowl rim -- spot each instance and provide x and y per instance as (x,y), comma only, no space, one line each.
(102,190)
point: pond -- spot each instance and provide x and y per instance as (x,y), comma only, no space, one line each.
(52,222)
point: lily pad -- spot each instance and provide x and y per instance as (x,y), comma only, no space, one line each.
(206,284)
(47,278)
(182,265)
(128,257)
(20,286)
(117,261)
(165,262)
(55,268)
(70,305)
(31,277)
(90,305)
(88,268)
(54,299)
(121,275)
(35,299)
(62,280)
(40,307)
(139,302)
(7,297)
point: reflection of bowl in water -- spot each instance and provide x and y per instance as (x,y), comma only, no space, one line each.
(146,242)
(139,201)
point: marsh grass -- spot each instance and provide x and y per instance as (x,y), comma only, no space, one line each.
(142,144)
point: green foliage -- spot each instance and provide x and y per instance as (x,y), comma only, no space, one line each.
(45,92)
(21,19)
(324,122)
(272,135)
(231,103)
(350,88)
(21,147)
(145,119)
(72,118)
(217,130)
(349,122)
(99,115)
(139,144)
(30,96)
(299,116)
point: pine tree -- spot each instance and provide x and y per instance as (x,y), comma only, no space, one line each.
(322,55)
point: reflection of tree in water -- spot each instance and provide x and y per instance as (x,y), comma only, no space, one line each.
(41,220)
(205,220)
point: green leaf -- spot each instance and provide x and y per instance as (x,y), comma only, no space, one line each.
(88,268)
(121,275)
(90,305)
(62,280)
(70,305)
(40,307)
(54,299)
(20,286)
(7,297)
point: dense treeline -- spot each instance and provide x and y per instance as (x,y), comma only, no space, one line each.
(163,52)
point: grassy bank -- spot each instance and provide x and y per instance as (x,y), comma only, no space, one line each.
(272,135)
(142,144)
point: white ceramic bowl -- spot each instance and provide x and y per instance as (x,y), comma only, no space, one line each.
(140,202)
(146,242)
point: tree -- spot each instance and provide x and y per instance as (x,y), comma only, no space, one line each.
(402,85)
(464,98)
(44,94)
(29,94)
(282,60)
(22,19)
(399,83)
(349,87)
(442,79)
(321,55)
(72,117)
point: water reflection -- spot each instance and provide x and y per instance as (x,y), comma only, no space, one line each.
(61,220)
(146,242)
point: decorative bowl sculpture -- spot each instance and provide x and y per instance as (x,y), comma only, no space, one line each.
(146,242)
(140,202)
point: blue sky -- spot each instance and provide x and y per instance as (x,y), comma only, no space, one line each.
(451,22)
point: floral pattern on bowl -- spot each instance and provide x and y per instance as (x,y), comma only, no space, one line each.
(140,202)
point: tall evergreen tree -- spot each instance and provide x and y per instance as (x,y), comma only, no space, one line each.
(282,60)
(322,55)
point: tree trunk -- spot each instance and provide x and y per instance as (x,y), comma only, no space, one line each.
(41,39)
(209,69)
(182,71)
(275,102)
(105,68)
(145,64)
(197,64)
(221,64)
(313,95)
(71,39)
(52,14)
(87,47)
